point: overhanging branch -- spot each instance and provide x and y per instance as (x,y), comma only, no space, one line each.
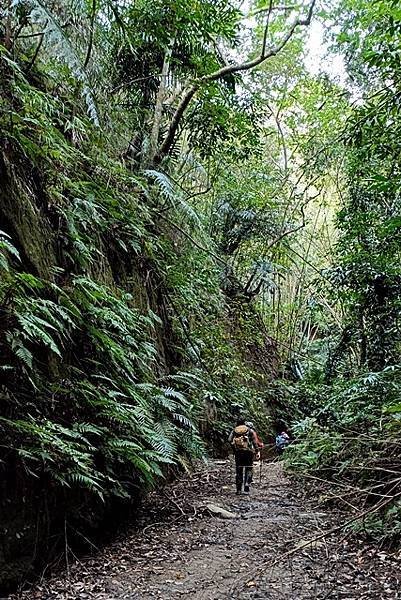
(229,69)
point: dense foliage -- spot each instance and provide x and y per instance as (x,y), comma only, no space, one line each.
(124,351)
(193,224)
(351,432)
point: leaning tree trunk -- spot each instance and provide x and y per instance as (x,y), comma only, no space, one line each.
(151,151)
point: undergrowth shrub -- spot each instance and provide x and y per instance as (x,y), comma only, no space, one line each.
(351,438)
(104,401)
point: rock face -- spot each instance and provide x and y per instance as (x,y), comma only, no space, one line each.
(24,214)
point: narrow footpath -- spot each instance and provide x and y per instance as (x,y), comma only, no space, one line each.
(197,539)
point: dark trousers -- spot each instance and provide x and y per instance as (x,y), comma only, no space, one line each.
(243,468)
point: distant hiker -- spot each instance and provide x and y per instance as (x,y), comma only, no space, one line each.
(282,441)
(244,442)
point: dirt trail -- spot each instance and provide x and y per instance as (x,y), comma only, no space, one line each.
(181,550)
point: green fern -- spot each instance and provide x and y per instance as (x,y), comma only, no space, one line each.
(21,352)
(6,249)
(175,197)
(62,48)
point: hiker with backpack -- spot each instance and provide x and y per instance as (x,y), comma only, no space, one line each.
(244,443)
(282,441)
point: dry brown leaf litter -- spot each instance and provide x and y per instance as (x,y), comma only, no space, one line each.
(180,549)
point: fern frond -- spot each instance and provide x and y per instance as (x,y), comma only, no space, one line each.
(164,183)
(183,420)
(6,247)
(61,46)
(31,331)
(172,393)
(175,196)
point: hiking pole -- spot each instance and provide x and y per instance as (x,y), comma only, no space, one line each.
(260,469)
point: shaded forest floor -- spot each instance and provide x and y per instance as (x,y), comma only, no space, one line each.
(181,549)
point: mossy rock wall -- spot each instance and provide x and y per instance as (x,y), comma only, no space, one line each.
(34,512)
(24,213)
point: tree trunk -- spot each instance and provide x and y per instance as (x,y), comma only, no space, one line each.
(7,39)
(150,152)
